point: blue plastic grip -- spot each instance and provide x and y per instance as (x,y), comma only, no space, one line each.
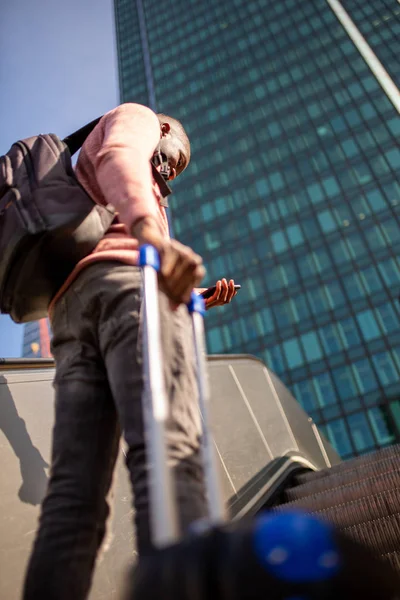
(296,547)
(196,304)
(148,257)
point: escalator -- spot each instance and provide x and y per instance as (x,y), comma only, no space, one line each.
(361,497)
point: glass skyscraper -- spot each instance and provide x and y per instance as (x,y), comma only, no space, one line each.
(36,339)
(293,189)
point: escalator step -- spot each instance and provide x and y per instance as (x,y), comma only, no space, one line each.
(362,500)
(359,473)
(350,464)
(354,512)
(381,536)
(347,492)
(393,558)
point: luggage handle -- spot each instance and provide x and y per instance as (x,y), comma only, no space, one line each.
(162,498)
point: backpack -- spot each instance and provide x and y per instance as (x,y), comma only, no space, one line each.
(48,222)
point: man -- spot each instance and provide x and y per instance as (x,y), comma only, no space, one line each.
(97,348)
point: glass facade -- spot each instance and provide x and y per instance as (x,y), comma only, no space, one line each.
(293,190)
(36,339)
(379,23)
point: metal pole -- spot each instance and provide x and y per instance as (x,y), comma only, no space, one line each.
(215,502)
(155,409)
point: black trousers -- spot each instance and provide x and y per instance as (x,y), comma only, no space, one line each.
(98,384)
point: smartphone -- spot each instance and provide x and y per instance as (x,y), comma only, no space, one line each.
(210,291)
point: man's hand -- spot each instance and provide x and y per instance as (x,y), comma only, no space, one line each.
(223,294)
(181,269)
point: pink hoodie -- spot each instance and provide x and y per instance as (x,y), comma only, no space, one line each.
(114,168)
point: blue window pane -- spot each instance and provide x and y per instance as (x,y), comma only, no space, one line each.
(305,394)
(318,301)
(376,200)
(334,294)
(289,273)
(295,235)
(263,249)
(367,110)
(393,158)
(356,246)
(207,212)
(360,431)
(381,425)
(339,437)
(311,346)
(391,231)
(211,240)
(385,368)
(331,339)
(277,363)
(325,389)
(262,187)
(315,192)
(379,166)
(322,260)
(390,271)
(331,186)
(392,192)
(276,181)
(396,356)
(340,252)
(248,328)
(273,211)
(368,325)
(371,279)
(215,342)
(350,148)
(326,221)
(300,308)
(338,124)
(362,173)
(353,287)
(266,320)
(365,376)
(394,126)
(274,280)
(345,383)
(374,237)
(283,314)
(279,242)
(310,227)
(306,265)
(349,331)
(343,213)
(293,353)
(284,207)
(223,205)
(387,318)
(360,208)
(257,218)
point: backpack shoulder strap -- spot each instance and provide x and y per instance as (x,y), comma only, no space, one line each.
(75,140)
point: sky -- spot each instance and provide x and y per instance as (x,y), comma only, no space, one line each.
(58,71)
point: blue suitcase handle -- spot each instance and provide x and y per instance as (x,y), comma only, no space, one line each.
(149,257)
(150,263)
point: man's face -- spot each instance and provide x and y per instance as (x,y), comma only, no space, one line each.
(171,147)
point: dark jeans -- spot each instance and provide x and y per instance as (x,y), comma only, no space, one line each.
(98,384)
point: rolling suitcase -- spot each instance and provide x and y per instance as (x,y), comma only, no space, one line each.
(275,556)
